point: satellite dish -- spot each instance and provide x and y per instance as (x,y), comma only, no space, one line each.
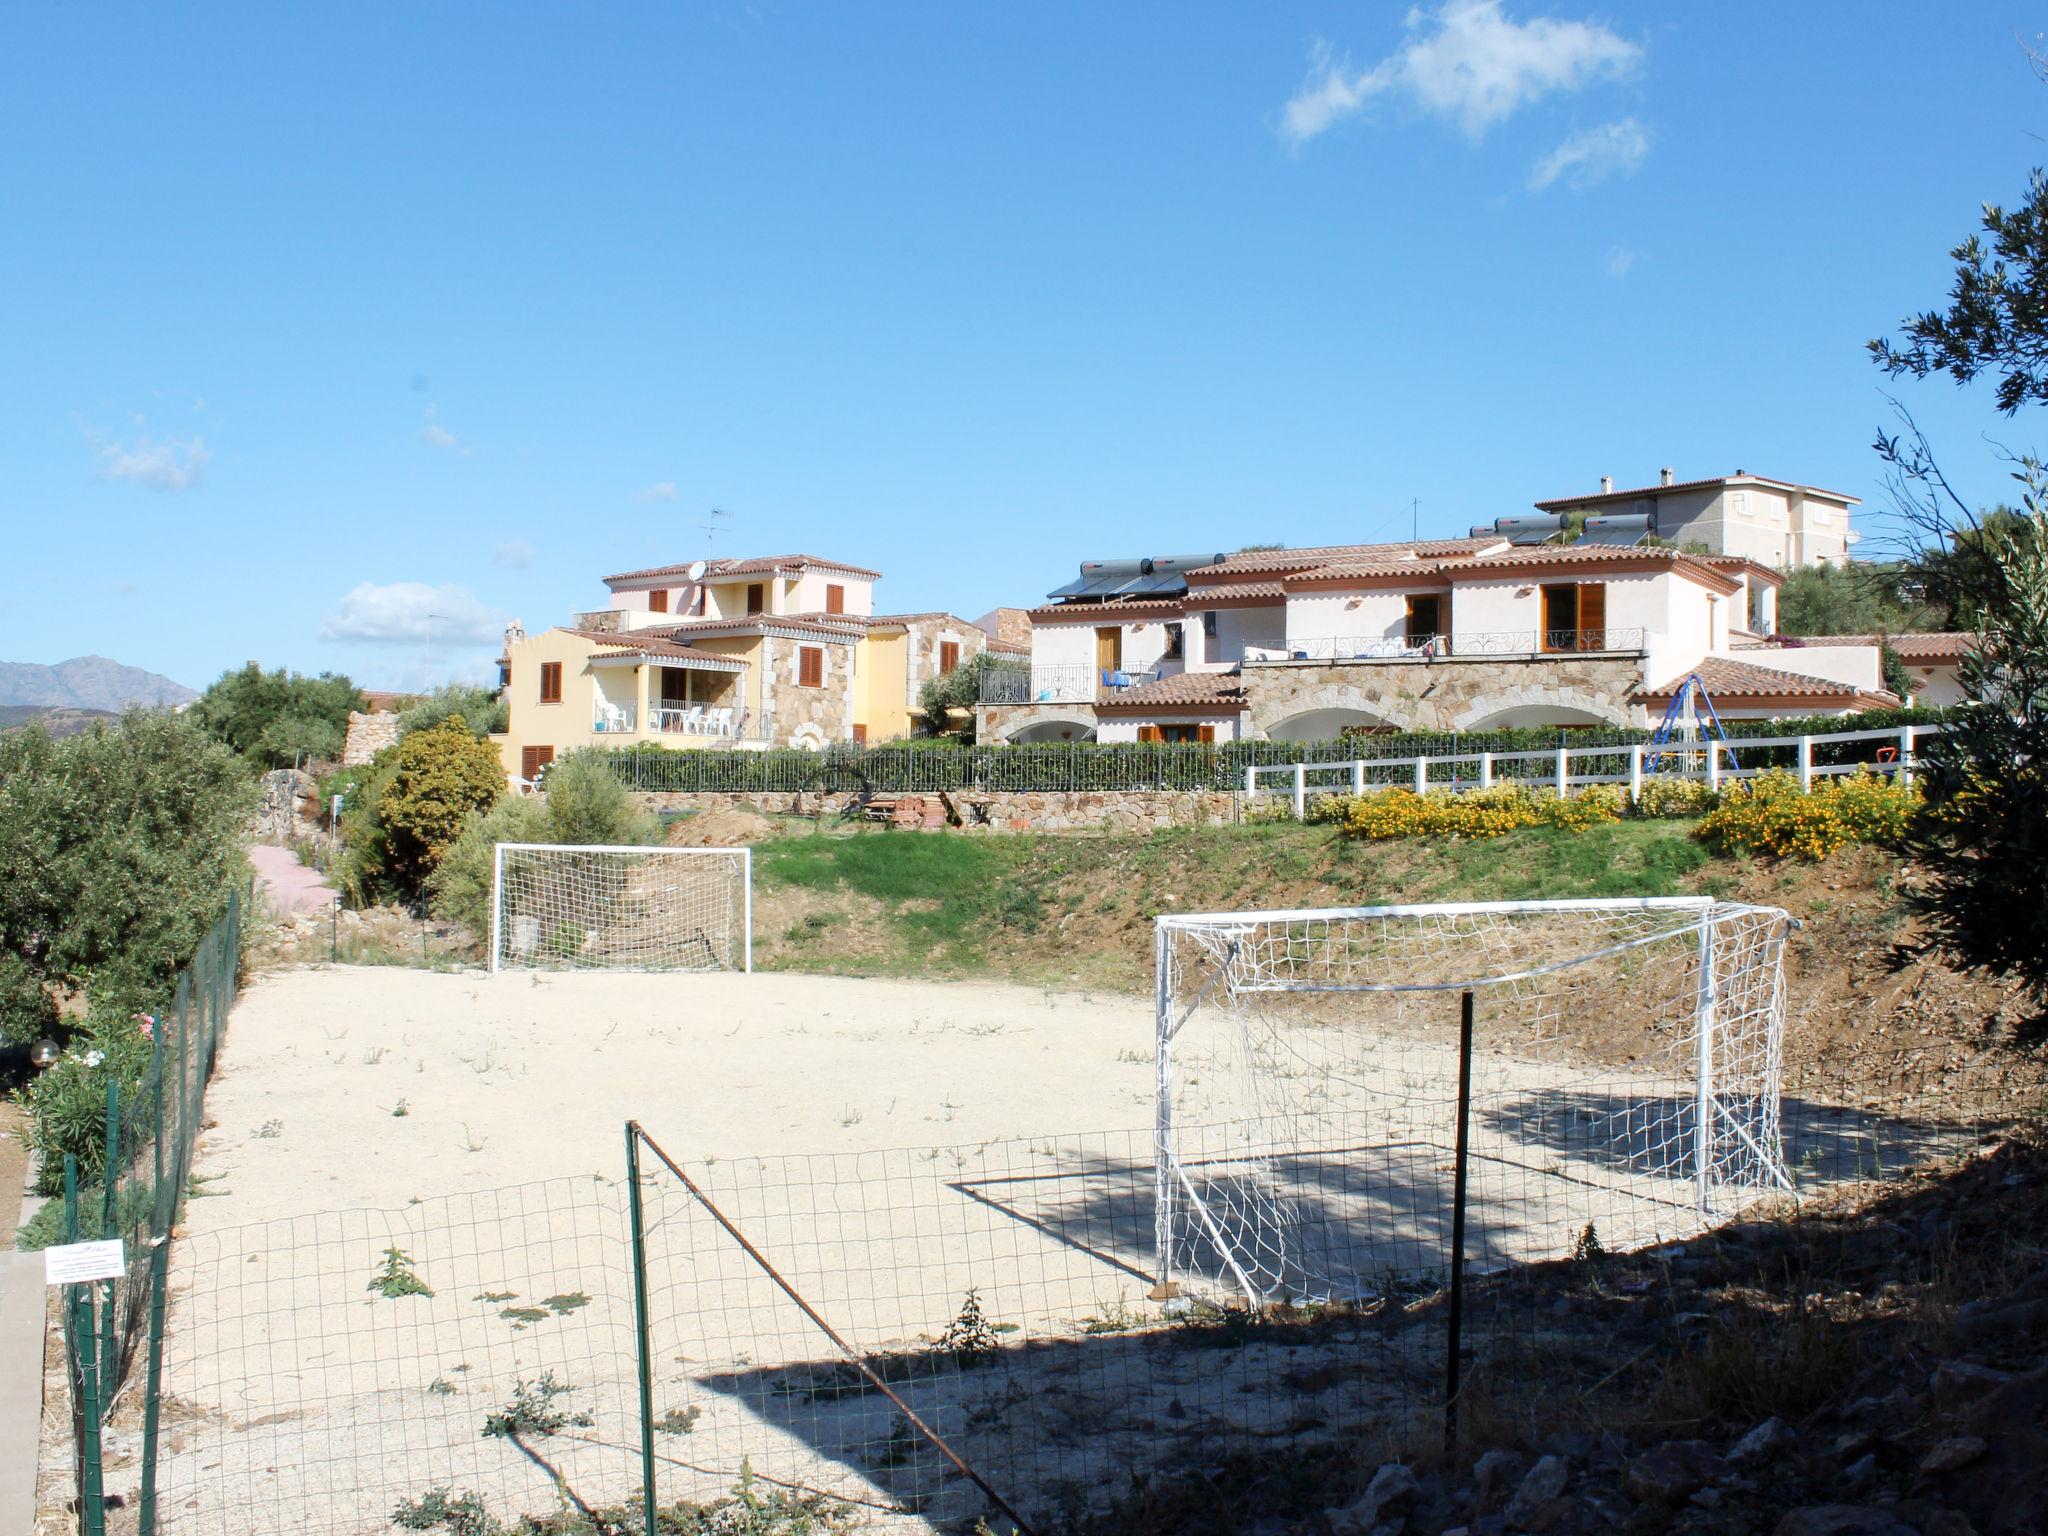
(696,572)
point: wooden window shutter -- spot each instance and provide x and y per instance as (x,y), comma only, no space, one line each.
(1593,617)
(551,682)
(949,656)
(810,666)
(835,598)
(860,735)
(657,600)
(533,759)
(1208,733)
(1150,733)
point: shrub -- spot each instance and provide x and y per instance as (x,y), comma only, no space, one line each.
(586,803)
(1477,813)
(27,1011)
(276,718)
(1671,797)
(67,1103)
(438,777)
(483,710)
(1770,815)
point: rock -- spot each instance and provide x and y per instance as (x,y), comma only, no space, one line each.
(1992,1318)
(1573,1445)
(1765,1443)
(1543,1484)
(1947,1455)
(1392,1490)
(1860,1474)
(1671,1473)
(1959,1380)
(1841,1520)
(1493,1475)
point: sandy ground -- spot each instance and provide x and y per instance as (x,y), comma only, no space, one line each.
(286,885)
(473,1124)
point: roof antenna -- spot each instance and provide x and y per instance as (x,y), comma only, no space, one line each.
(713,528)
(1415,520)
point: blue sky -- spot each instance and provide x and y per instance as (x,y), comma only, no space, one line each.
(323,319)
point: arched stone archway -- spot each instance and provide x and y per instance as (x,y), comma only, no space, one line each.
(1535,707)
(1326,724)
(1052,730)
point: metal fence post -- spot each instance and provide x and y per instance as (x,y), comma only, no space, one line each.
(1422,775)
(1713,765)
(1563,772)
(1805,764)
(110,1175)
(152,1394)
(1358,776)
(1486,770)
(642,1343)
(1635,773)
(1905,754)
(1455,1344)
(1703,1132)
(1300,792)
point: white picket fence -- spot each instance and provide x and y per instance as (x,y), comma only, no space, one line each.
(1714,762)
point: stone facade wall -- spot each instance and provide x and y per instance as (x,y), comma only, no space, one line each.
(988,811)
(1003,722)
(367,736)
(1445,695)
(791,707)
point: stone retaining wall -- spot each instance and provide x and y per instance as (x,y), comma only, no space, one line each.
(989,811)
(367,736)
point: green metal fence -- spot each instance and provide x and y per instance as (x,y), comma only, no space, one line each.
(114,1327)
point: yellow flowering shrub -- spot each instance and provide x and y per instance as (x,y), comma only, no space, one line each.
(1664,796)
(1768,814)
(1478,813)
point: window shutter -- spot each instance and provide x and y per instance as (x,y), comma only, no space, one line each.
(949,656)
(1208,733)
(1150,733)
(657,600)
(810,666)
(551,682)
(835,598)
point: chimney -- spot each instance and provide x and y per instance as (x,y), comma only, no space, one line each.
(1666,475)
(1606,485)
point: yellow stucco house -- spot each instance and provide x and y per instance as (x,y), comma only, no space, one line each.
(781,650)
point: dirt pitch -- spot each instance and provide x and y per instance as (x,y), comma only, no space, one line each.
(473,1124)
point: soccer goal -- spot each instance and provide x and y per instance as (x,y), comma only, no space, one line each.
(1623,1086)
(558,906)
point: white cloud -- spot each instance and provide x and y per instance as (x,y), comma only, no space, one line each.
(1465,62)
(431,431)
(410,612)
(1592,155)
(1619,261)
(161,463)
(513,554)
(661,490)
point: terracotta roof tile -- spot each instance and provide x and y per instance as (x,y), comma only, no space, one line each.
(1735,680)
(1221,692)
(1081,613)
(756,565)
(838,628)
(1275,560)
(1933,645)
(647,643)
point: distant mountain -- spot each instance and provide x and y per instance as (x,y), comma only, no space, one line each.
(87,682)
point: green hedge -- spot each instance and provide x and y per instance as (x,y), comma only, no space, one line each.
(924,766)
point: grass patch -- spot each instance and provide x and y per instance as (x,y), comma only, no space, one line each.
(1062,909)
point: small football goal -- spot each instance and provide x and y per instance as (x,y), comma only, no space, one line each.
(1622,1073)
(593,907)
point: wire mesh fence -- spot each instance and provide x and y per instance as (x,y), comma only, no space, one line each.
(149,1141)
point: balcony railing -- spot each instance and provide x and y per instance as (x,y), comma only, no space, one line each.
(1055,684)
(1466,646)
(698,720)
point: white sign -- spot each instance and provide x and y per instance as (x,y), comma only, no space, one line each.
(71,1263)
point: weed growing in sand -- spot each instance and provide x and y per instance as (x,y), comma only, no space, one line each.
(970,1338)
(1589,1256)
(494,1297)
(401,1109)
(461,1513)
(441,1386)
(534,1410)
(679,1421)
(749,1510)
(269,1130)
(850,1116)
(398,1277)
(1117,1316)
(899,1448)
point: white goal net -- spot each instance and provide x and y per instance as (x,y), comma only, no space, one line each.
(594,907)
(1625,1071)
